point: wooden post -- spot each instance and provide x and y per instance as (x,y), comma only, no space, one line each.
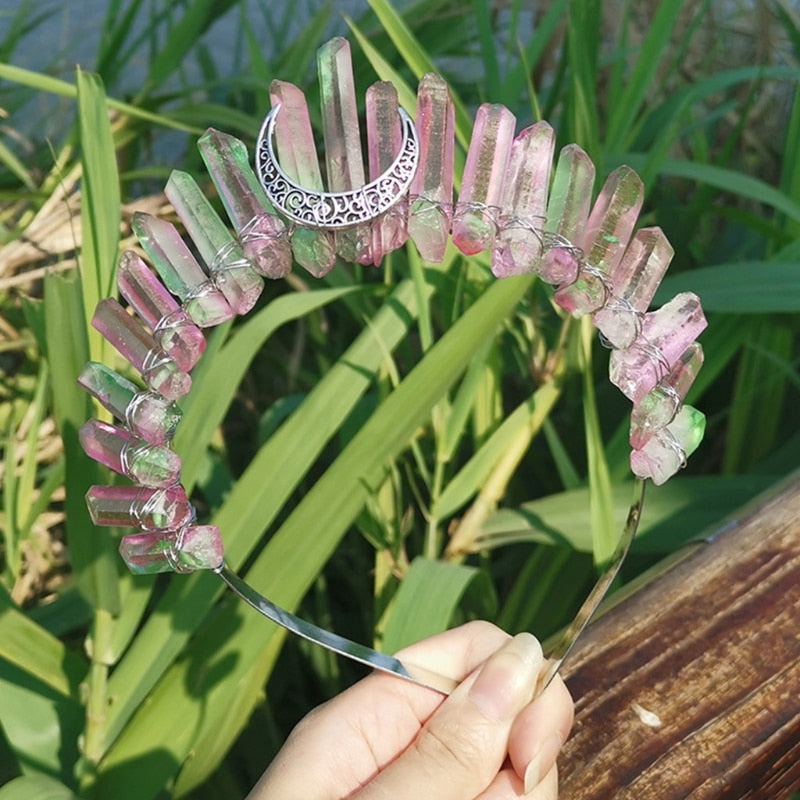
(690,686)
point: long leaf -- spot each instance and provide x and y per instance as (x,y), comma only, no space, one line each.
(429,595)
(44,83)
(639,81)
(418,60)
(529,415)
(36,652)
(40,787)
(745,287)
(100,202)
(210,399)
(91,557)
(680,510)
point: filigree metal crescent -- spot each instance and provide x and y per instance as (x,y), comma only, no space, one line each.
(336,210)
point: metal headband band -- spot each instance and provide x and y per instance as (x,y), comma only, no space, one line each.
(336,210)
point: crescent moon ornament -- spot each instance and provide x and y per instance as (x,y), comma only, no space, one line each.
(335,210)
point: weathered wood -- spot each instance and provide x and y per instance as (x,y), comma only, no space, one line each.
(712,648)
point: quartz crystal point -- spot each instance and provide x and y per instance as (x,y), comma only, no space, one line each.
(567,211)
(182,275)
(633,285)
(666,333)
(159,372)
(314,250)
(139,507)
(660,405)
(518,248)
(144,464)
(147,415)
(343,156)
(431,209)
(667,450)
(390,230)
(262,233)
(476,217)
(231,271)
(176,334)
(191,548)
(608,229)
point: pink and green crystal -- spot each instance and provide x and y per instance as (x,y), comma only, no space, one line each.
(633,285)
(314,250)
(192,548)
(177,335)
(477,211)
(660,405)
(147,415)
(140,507)
(518,248)
(159,372)
(608,230)
(567,212)
(665,335)
(666,452)
(262,233)
(144,464)
(384,135)
(232,272)
(343,156)
(431,207)
(182,274)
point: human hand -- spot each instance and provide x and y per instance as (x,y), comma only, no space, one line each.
(387,738)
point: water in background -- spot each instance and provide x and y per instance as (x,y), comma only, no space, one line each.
(67,34)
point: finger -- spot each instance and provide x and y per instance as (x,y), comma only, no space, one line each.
(463,745)
(539,732)
(506,786)
(547,789)
(372,721)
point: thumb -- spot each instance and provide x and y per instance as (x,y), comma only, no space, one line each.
(460,749)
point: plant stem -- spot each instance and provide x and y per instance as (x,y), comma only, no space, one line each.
(99,647)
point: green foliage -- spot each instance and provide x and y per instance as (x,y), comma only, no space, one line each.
(387,452)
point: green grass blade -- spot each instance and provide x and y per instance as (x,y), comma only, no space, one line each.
(44,83)
(605,530)
(194,19)
(428,597)
(205,408)
(91,552)
(482,15)
(33,650)
(42,787)
(790,170)
(745,287)
(583,30)
(736,183)
(680,510)
(27,479)
(418,60)
(525,420)
(759,394)
(624,109)
(406,96)
(41,725)
(100,206)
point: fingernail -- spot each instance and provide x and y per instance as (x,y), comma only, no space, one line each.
(506,680)
(542,761)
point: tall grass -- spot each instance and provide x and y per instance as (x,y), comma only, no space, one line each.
(392,451)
